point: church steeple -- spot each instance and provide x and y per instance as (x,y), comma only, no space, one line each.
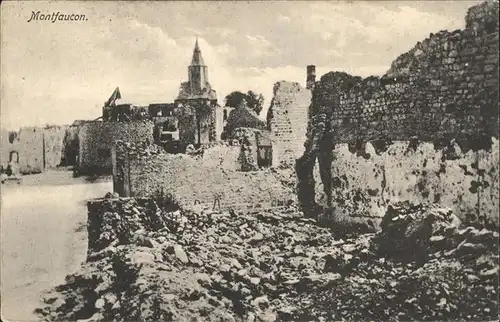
(197,72)
(197,58)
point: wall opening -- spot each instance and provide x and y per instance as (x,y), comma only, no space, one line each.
(169,126)
(264,156)
(12,137)
(14,157)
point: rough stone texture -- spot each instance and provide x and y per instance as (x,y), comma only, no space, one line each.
(38,148)
(70,147)
(287,121)
(445,87)
(363,182)
(196,120)
(53,143)
(438,103)
(248,137)
(195,183)
(104,228)
(149,263)
(96,140)
(407,228)
(28,145)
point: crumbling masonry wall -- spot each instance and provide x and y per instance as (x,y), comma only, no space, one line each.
(365,181)
(53,145)
(38,148)
(148,171)
(30,149)
(426,130)
(96,141)
(287,121)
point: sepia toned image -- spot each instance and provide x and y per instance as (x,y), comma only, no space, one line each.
(250,161)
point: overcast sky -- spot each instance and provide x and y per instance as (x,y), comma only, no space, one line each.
(58,72)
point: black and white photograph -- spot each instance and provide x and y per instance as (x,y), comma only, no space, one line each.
(249,161)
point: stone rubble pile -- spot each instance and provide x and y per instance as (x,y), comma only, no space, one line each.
(142,148)
(146,263)
(421,266)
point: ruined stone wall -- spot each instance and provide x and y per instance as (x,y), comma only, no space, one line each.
(39,148)
(70,146)
(445,87)
(53,144)
(248,138)
(30,149)
(364,182)
(191,181)
(287,120)
(220,122)
(7,146)
(194,112)
(431,123)
(96,141)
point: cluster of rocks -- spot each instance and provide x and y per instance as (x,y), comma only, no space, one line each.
(421,266)
(142,148)
(147,263)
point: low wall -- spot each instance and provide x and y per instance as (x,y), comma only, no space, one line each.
(96,141)
(365,180)
(140,171)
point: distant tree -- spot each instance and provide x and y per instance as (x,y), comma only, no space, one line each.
(254,101)
(234,99)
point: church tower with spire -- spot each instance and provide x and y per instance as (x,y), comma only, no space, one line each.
(196,103)
(197,71)
(197,86)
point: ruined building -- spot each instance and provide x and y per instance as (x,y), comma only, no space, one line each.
(196,103)
(287,122)
(33,149)
(425,131)
(191,119)
(311,77)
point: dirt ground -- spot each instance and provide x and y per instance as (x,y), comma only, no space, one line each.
(43,236)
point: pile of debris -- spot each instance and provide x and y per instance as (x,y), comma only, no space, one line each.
(146,263)
(420,266)
(142,149)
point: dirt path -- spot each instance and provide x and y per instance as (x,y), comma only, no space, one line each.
(43,237)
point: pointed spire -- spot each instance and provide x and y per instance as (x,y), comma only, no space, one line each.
(197,58)
(196,46)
